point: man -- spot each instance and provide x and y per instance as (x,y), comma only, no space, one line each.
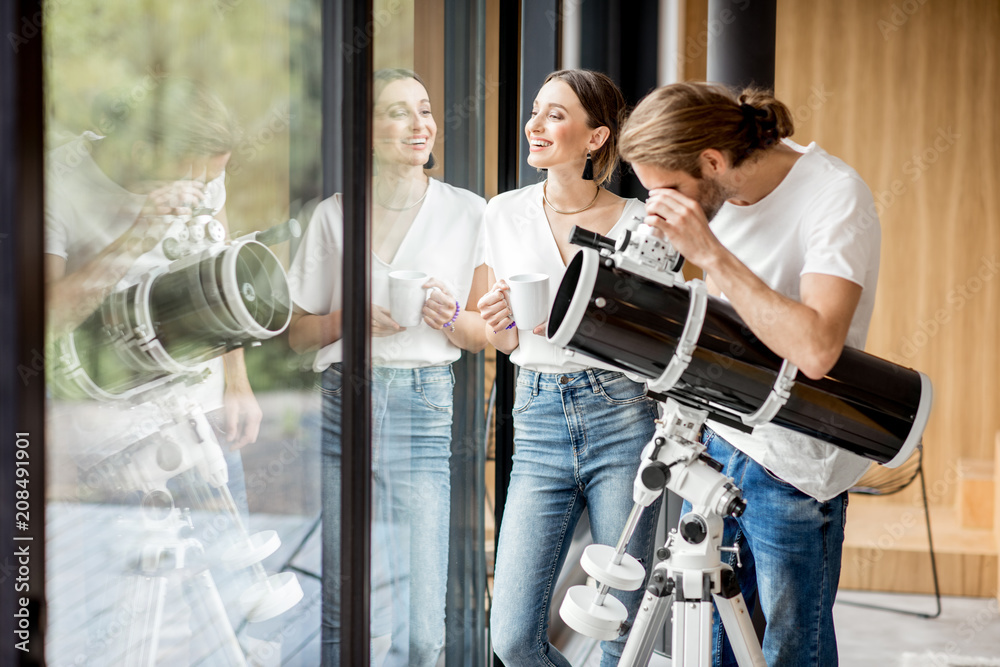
(788,235)
(106,193)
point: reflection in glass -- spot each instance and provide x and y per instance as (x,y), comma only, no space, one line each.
(159,314)
(427,276)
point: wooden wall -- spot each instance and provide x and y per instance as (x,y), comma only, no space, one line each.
(908,93)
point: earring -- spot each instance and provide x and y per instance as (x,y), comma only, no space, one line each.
(374,164)
(431,163)
(588,169)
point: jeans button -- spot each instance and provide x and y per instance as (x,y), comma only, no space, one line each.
(563,379)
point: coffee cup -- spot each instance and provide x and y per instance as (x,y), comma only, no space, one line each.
(407,296)
(529,299)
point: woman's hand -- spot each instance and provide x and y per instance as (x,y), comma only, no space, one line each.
(243,416)
(683,222)
(494,307)
(440,306)
(382,322)
(242,412)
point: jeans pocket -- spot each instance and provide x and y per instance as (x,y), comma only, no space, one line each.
(524,394)
(619,390)
(331,382)
(439,394)
(775,478)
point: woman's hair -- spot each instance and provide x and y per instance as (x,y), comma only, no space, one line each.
(673,125)
(383,77)
(605,106)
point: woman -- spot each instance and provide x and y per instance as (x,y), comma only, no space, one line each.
(578,430)
(418,225)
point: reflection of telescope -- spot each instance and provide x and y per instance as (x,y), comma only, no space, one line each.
(619,309)
(146,345)
(214,298)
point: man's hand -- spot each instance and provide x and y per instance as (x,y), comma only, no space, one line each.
(682,221)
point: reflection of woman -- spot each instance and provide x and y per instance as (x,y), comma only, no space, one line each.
(418,224)
(578,429)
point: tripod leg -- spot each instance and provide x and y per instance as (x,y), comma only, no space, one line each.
(144,596)
(214,620)
(692,635)
(652,613)
(737,623)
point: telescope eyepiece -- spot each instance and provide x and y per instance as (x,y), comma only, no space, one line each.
(588,239)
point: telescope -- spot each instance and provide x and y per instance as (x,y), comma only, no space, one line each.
(208,297)
(621,302)
(146,345)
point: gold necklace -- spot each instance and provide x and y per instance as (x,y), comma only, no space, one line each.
(381,203)
(579,210)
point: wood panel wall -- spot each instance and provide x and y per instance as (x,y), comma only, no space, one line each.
(908,93)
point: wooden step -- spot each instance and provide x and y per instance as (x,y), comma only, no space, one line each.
(975,497)
(885,549)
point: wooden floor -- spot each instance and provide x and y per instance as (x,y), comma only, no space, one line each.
(90,612)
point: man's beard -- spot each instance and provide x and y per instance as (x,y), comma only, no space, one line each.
(711,196)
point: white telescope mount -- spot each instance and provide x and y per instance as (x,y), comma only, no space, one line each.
(690,576)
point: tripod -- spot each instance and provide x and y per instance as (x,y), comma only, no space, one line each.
(165,561)
(185,447)
(690,576)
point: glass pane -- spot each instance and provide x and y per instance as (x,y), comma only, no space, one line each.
(427,559)
(184,488)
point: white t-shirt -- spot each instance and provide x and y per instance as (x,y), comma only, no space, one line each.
(445,241)
(519,240)
(85,211)
(820,219)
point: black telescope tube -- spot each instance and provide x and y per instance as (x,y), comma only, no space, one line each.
(864,404)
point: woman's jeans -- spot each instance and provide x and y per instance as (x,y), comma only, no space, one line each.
(790,550)
(578,438)
(411,445)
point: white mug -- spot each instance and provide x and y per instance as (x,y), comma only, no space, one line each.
(529,299)
(407,296)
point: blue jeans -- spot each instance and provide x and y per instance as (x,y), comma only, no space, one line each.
(577,443)
(790,549)
(411,503)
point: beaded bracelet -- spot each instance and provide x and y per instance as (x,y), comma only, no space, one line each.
(509,326)
(454,317)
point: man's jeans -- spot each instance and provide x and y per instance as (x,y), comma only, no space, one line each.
(578,438)
(790,550)
(411,446)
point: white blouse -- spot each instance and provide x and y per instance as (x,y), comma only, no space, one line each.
(445,241)
(519,240)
